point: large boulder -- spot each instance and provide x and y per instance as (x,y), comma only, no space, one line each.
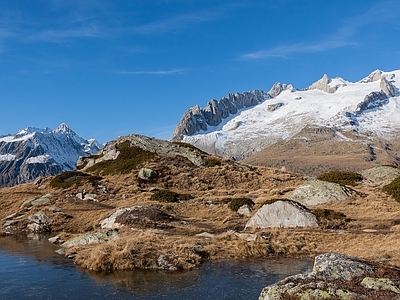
(336,276)
(282,214)
(314,192)
(137,216)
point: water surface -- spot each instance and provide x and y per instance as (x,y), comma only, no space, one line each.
(30,269)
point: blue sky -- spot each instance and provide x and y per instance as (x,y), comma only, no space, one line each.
(110,68)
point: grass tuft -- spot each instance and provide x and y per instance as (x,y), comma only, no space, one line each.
(170,196)
(237,203)
(393,189)
(68,179)
(342,177)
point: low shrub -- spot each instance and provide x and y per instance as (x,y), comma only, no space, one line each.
(393,189)
(237,203)
(170,196)
(212,162)
(331,219)
(130,158)
(342,177)
(68,179)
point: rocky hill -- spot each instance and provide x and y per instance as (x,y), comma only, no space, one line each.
(359,117)
(34,152)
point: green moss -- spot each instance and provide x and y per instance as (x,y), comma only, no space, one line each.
(236,203)
(130,158)
(68,179)
(342,177)
(170,196)
(212,162)
(393,189)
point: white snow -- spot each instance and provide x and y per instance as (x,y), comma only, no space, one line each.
(41,159)
(306,107)
(62,145)
(16,138)
(7,157)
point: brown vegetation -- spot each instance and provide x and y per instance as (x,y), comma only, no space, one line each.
(205,227)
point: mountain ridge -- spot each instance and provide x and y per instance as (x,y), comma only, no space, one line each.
(34,152)
(368,107)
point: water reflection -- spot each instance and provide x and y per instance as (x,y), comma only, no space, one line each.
(30,269)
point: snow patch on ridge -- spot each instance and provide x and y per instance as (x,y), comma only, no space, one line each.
(258,126)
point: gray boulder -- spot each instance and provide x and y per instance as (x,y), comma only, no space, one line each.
(282,214)
(39,222)
(339,277)
(147,174)
(380,174)
(314,192)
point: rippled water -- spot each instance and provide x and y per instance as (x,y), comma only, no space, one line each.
(30,269)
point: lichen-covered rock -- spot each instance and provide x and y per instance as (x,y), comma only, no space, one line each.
(380,284)
(44,200)
(147,174)
(39,222)
(282,214)
(339,277)
(91,238)
(314,192)
(380,175)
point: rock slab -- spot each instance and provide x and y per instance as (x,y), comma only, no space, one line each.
(282,214)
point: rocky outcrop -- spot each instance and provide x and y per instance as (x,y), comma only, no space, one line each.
(282,214)
(314,192)
(380,175)
(374,76)
(89,238)
(387,87)
(336,276)
(137,216)
(323,85)
(278,88)
(159,147)
(196,119)
(372,101)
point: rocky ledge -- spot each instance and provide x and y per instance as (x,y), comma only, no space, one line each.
(336,276)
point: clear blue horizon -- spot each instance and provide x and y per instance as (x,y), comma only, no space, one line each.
(111,68)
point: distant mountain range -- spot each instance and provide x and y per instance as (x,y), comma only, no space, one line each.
(362,114)
(34,152)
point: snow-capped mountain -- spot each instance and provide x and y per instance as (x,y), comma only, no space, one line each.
(369,107)
(34,152)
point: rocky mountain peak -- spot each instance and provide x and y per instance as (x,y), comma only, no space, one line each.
(63,128)
(323,85)
(34,152)
(374,76)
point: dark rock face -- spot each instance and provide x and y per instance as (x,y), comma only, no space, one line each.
(336,276)
(196,119)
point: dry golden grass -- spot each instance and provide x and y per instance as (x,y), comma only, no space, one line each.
(212,189)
